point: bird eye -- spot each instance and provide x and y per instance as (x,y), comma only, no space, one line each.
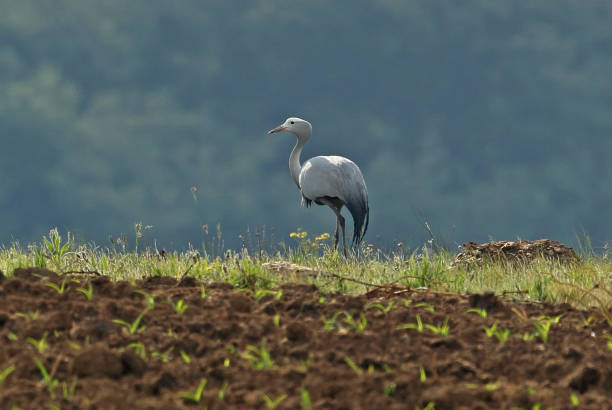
(292,122)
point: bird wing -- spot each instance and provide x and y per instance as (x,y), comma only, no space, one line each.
(339,177)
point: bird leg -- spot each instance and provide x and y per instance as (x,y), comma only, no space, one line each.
(336,205)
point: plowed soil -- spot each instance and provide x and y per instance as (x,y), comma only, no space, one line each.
(349,363)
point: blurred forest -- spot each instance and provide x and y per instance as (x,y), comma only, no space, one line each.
(487,119)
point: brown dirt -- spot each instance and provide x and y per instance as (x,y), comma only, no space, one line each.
(517,251)
(466,369)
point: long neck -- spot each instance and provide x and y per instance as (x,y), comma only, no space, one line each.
(294,160)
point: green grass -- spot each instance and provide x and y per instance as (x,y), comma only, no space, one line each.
(583,284)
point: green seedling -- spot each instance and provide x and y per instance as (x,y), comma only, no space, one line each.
(276,320)
(331,323)
(133,327)
(28,316)
(542,326)
(422,375)
(305,364)
(221,394)
(60,289)
(357,325)
(149,300)
(609,342)
(480,312)
(88,292)
(492,386)
(261,293)
(430,406)
(12,336)
(140,349)
(407,303)
(490,331)
(425,306)
(305,401)
(179,307)
(47,380)
(203,293)
(418,325)
(226,362)
(6,372)
(40,345)
(441,330)
(165,356)
(321,300)
(389,389)
(197,395)
(259,358)
(185,357)
(381,307)
(358,370)
(68,391)
(272,404)
(574,399)
(73,345)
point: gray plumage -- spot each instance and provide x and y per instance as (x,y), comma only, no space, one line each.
(329,180)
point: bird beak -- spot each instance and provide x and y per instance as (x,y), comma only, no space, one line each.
(277,129)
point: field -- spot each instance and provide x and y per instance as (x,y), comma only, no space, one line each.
(116,329)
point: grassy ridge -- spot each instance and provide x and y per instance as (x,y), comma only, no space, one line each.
(583,284)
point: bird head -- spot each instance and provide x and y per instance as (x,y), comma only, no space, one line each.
(301,128)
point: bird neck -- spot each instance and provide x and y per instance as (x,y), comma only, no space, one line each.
(294,160)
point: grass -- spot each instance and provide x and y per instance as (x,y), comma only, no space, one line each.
(584,284)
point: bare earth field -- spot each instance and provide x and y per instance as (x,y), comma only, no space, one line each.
(291,347)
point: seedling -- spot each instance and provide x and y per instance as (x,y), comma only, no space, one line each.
(179,307)
(185,357)
(426,306)
(259,358)
(422,375)
(54,244)
(40,345)
(542,326)
(28,316)
(381,307)
(305,364)
(276,320)
(73,345)
(261,293)
(418,325)
(165,356)
(357,325)
(574,399)
(87,292)
(441,330)
(492,386)
(133,327)
(197,395)
(389,389)
(6,372)
(480,312)
(150,300)
(430,406)
(331,323)
(203,293)
(358,370)
(609,343)
(221,394)
(140,349)
(47,380)
(272,404)
(226,362)
(305,401)
(68,391)
(12,336)
(60,289)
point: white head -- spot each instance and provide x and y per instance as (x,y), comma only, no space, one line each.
(301,128)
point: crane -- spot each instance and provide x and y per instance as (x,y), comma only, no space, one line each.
(328,180)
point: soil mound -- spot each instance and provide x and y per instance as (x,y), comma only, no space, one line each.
(517,251)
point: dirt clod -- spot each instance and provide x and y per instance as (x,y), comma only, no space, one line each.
(98,361)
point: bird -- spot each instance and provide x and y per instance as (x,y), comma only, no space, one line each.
(331,180)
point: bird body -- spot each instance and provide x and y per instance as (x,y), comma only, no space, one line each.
(328,180)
